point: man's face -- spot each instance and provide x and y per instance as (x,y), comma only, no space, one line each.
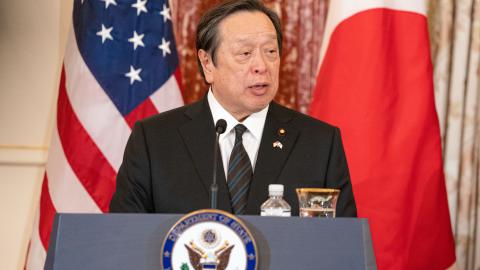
(245,77)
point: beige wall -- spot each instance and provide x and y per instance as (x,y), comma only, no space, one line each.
(32,41)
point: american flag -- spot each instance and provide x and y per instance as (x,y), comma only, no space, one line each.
(120,65)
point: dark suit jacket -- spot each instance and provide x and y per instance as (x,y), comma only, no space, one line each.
(167,165)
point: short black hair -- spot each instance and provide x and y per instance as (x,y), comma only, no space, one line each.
(207,30)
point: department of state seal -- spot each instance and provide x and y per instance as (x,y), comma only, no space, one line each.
(209,239)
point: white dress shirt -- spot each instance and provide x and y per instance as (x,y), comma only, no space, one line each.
(251,138)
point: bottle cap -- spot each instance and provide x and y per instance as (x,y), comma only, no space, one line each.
(275,190)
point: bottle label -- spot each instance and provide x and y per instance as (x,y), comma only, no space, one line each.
(275,212)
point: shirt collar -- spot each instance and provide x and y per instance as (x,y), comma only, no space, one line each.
(254,122)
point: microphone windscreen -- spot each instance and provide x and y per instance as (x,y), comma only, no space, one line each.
(221,126)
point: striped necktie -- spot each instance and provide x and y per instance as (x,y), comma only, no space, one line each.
(239,173)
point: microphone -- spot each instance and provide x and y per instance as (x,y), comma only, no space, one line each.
(220,128)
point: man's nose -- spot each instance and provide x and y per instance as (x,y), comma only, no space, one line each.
(259,65)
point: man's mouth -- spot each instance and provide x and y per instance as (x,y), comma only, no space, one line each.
(258,87)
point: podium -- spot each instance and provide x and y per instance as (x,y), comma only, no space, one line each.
(134,241)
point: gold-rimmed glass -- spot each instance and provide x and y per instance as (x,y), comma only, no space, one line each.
(317,202)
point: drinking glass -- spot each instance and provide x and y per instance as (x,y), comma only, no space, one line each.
(317,202)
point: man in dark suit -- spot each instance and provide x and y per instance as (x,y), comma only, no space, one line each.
(167,166)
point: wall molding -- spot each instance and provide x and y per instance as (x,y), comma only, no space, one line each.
(23,155)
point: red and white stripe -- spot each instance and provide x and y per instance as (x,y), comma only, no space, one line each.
(87,147)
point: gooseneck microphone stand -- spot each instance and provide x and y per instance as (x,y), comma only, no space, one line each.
(220,128)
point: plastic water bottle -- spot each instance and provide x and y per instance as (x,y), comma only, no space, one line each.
(275,205)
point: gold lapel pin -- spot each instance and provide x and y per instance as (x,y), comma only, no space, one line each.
(281,132)
(277,144)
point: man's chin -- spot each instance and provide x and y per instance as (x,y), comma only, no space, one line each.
(258,107)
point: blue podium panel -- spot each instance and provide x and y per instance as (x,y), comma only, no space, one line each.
(134,241)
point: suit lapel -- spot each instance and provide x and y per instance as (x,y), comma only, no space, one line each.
(199,137)
(270,159)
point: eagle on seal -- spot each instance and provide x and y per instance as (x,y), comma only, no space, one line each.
(219,258)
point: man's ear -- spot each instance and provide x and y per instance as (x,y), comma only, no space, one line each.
(207,65)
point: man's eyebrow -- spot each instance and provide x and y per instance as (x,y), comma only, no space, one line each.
(249,38)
